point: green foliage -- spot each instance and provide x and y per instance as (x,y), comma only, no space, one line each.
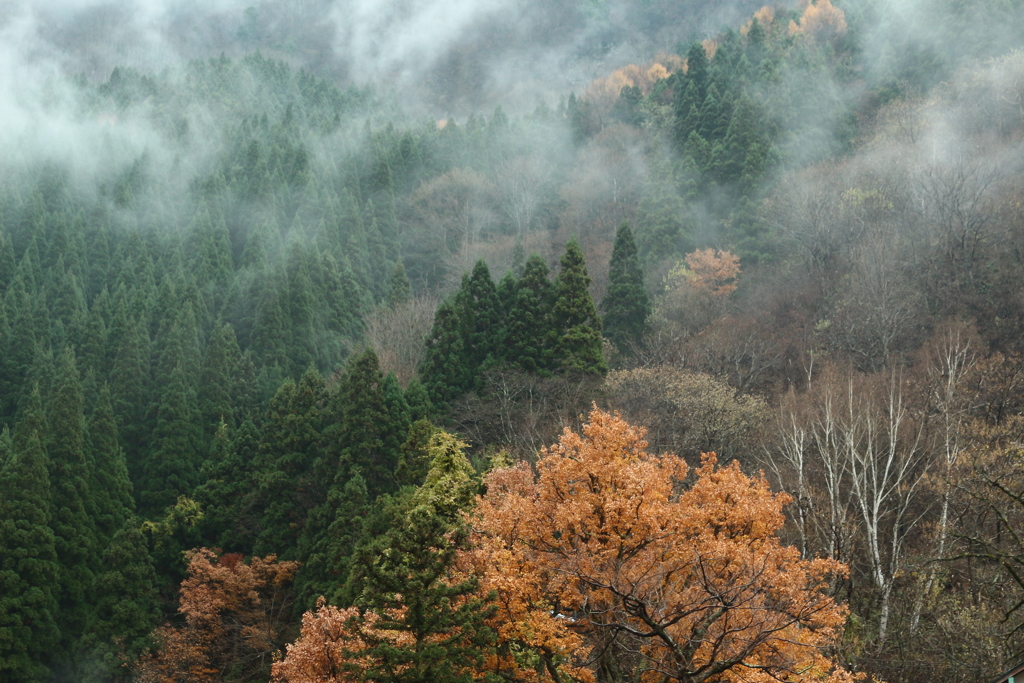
(626,305)
(406,579)
(575,325)
(29,573)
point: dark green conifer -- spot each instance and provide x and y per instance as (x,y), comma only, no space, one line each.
(481,317)
(29,574)
(399,289)
(171,468)
(286,483)
(528,334)
(111,488)
(626,304)
(408,573)
(445,370)
(575,324)
(74,505)
(217,378)
(126,608)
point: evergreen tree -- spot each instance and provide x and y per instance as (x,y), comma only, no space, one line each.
(527,342)
(333,530)
(29,574)
(172,466)
(286,480)
(126,612)
(111,488)
(373,419)
(662,228)
(400,289)
(576,326)
(481,317)
(626,305)
(73,510)
(406,581)
(445,370)
(217,378)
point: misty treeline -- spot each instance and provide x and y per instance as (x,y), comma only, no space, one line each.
(244,308)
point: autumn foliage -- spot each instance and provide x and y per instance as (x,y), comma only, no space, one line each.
(607,547)
(236,621)
(821,21)
(713,270)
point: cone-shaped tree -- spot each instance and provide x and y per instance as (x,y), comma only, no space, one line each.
(400,289)
(420,622)
(29,574)
(528,330)
(444,370)
(576,326)
(110,485)
(71,470)
(626,305)
(126,612)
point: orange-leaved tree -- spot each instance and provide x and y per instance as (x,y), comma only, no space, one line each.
(612,549)
(713,270)
(237,620)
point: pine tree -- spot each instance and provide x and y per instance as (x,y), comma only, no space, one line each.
(626,305)
(400,289)
(75,538)
(111,488)
(217,378)
(285,481)
(444,370)
(29,574)
(481,317)
(576,326)
(372,424)
(407,581)
(528,334)
(662,227)
(126,612)
(333,530)
(171,468)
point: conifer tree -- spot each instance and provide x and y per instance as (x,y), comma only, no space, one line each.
(126,608)
(626,305)
(111,488)
(29,573)
(399,289)
(331,535)
(74,507)
(286,483)
(129,393)
(527,342)
(576,327)
(445,371)
(662,227)
(217,378)
(406,583)
(372,423)
(480,316)
(171,468)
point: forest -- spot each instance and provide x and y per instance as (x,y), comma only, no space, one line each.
(697,357)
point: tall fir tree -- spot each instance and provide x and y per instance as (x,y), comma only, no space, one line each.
(29,573)
(626,305)
(74,507)
(406,578)
(111,487)
(126,608)
(285,481)
(528,334)
(576,327)
(445,370)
